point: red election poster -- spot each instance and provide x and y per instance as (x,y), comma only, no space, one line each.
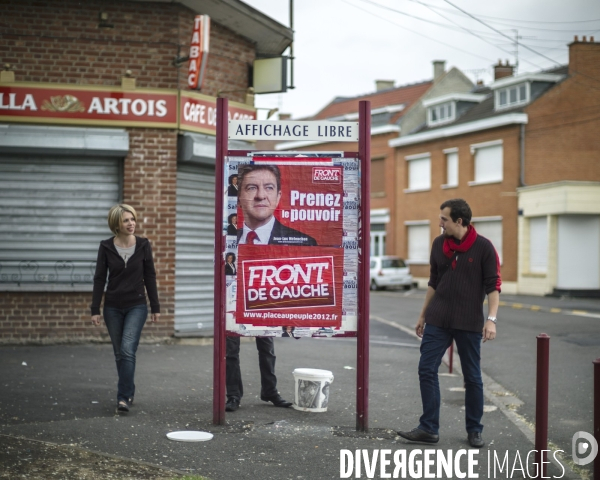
(290,255)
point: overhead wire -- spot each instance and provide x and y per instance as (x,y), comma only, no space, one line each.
(416,33)
(512,20)
(466,30)
(499,32)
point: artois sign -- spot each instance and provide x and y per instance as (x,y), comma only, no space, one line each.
(88,105)
(104,106)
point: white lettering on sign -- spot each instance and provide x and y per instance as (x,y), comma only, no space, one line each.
(327,175)
(12,103)
(124,106)
(293,130)
(204,114)
(268,274)
(315,199)
(288,283)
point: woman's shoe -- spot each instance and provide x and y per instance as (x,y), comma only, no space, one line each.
(130,402)
(122,406)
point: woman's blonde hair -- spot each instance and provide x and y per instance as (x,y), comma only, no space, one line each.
(115,216)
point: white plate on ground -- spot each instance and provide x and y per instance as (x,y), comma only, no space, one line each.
(189,436)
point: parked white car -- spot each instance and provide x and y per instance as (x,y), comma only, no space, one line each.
(389,271)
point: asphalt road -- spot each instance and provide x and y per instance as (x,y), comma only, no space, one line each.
(57,402)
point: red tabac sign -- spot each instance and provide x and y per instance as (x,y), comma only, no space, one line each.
(88,105)
(199,47)
(198,113)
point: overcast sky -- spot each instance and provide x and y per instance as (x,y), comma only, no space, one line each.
(343,46)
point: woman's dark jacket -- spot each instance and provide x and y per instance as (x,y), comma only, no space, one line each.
(127,283)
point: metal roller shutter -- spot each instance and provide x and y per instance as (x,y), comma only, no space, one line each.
(53,215)
(194,288)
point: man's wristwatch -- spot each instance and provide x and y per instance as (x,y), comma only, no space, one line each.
(493,319)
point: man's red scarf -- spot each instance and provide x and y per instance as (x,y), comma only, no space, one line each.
(450,246)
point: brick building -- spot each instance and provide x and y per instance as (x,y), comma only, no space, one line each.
(394,111)
(95,109)
(524,152)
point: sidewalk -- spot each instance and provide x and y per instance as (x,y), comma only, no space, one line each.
(65,395)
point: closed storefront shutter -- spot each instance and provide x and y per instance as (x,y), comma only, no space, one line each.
(578,248)
(194,258)
(53,212)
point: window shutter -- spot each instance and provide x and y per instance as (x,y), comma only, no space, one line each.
(488,164)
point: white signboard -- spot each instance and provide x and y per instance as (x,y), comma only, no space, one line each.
(293,130)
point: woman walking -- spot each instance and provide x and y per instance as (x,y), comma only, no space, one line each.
(127,259)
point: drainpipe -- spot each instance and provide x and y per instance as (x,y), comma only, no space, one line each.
(522,156)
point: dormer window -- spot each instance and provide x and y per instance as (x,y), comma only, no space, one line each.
(441,113)
(447,108)
(510,92)
(512,96)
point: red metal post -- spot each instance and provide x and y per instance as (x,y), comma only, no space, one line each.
(541,402)
(597,414)
(362,344)
(219,302)
(450,357)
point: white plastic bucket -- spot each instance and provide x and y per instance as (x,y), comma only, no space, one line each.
(311,392)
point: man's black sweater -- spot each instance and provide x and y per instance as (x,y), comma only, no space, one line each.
(460,292)
(127,282)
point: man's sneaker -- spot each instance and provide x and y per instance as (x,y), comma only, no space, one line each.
(421,436)
(475,439)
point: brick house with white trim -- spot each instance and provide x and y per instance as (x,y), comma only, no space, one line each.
(524,152)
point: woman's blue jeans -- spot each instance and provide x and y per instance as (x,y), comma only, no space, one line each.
(435,342)
(125,327)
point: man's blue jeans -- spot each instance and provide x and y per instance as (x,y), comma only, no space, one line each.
(435,342)
(125,327)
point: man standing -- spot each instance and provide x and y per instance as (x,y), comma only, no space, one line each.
(464,268)
(258,197)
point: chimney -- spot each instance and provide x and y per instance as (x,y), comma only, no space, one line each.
(439,67)
(383,85)
(584,57)
(502,71)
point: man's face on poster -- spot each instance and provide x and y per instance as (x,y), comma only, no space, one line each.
(258,197)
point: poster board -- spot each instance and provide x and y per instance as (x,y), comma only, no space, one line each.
(300,277)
